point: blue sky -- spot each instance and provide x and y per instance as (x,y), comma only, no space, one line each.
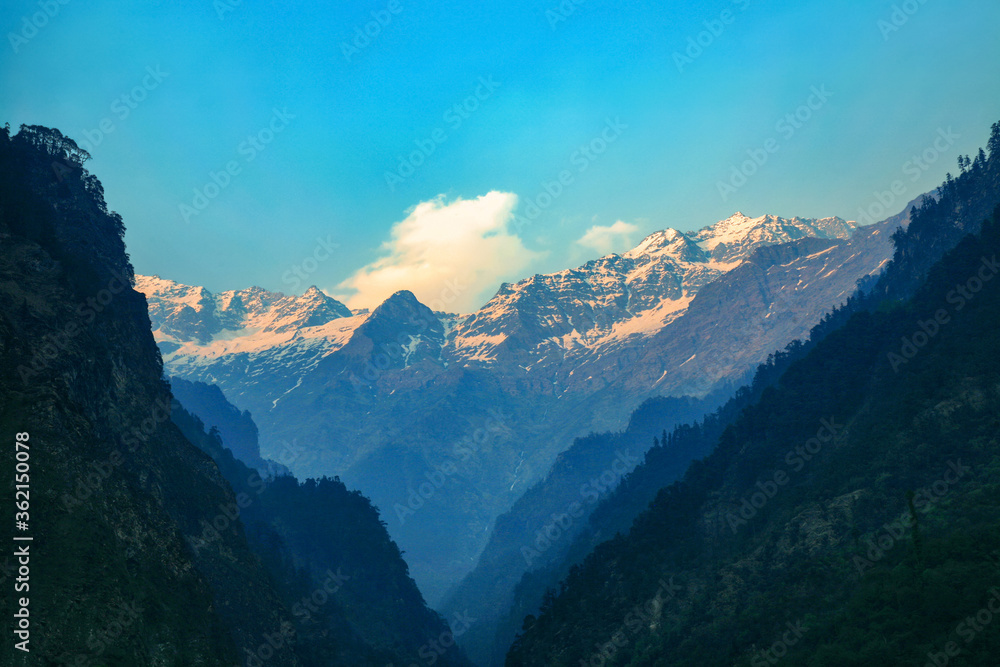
(310,128)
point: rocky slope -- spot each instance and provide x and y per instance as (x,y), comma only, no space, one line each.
(116,490)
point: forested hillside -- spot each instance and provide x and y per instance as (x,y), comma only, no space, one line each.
(144,551)
(852,501)
(338,572)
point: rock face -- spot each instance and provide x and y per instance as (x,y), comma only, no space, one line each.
(558,321)
(478,405)
(116,490)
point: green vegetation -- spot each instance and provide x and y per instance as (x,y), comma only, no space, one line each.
(876,545)
(337,570)
(139,555)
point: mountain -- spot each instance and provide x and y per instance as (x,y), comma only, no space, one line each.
(192,313)
(138,554)
(498,583)
(116,488)
(543,522)
(581,503)
(479,405)
(236,428)
(841,508)
(559,322)
(335,567)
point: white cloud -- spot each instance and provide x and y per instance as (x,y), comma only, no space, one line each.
(606,239)
(449,254)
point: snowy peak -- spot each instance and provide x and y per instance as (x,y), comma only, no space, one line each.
(181,295)
(736,237)
(620,298)
(671,243)
(182,313)
(555,319)
(549,321)
(253,300)
(402,312)
(179,312)
(400,332)
(312,309)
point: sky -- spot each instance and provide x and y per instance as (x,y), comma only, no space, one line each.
(366,147)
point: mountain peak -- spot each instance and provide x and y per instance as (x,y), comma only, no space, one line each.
(171,303)
(670,243)
(322,306)
(400,297)
(403,317)
(401,305)
(736,237)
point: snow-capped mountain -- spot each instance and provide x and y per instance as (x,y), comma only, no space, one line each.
(193,314)
(562,318)
(389,399)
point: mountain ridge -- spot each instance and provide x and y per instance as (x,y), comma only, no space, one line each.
(139,553)
(747,559)
(555,352)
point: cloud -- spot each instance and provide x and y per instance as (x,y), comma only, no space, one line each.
(606,239)
(451,255)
